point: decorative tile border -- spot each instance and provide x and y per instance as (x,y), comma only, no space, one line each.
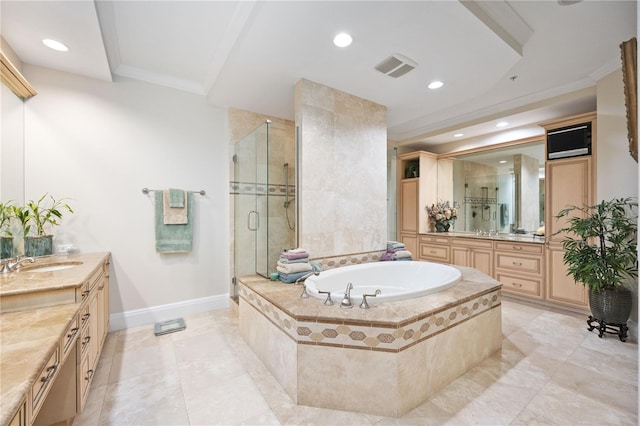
(331,262)
(274,314)
(252,188)
(368,337)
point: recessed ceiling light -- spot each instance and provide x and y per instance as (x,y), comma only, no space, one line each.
(342,40)
(458,135)
(502,161)
(502,124)
(435,84)
(55,45)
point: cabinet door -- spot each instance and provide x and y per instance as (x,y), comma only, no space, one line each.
(460,256)
(569,182)
(408,214)
(561,288)
(410,242)
(482,260)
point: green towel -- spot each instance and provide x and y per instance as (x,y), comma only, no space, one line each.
(174,238)
(176,197)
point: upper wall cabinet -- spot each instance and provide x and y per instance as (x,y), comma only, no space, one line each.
(14,80)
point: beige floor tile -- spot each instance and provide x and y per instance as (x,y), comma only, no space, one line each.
(229,402)
(555,405)
(206,374)
(149,399)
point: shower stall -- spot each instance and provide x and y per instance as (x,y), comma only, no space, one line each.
(264,198)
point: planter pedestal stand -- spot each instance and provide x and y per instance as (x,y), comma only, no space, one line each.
(603,327)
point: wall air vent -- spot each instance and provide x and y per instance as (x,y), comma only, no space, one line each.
(396,66)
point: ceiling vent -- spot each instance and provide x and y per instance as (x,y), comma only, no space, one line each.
(396,66)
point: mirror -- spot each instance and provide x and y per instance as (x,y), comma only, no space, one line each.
(500,190)
(12,147)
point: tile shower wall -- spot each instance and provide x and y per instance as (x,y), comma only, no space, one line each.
(343,195)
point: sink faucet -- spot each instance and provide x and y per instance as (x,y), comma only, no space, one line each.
(346,301)
(11,265)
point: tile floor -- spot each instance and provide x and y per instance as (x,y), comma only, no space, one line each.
(550,371)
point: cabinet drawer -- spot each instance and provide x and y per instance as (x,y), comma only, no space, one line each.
(467,242)
(42,384)
(514,284)
(20,418)
(531,265)
(437,253)
(69,338)
(519,247)
(433,239)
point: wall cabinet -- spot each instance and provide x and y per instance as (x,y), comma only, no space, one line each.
(417,188)
(569,181)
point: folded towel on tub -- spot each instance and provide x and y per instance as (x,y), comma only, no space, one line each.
(292,268)
(289,255)
(402,254)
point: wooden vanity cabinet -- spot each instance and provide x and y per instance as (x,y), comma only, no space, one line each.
(92,333)
(475,253)
(20,418)
(434,249)
(520,268)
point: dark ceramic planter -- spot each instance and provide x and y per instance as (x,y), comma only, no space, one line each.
(38,246)
(6,247)
(611,305)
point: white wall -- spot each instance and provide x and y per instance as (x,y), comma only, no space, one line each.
(99,144)
(617,171)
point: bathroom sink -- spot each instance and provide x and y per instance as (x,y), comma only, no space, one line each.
(52,267)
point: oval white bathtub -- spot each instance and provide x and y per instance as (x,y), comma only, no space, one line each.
(397,280)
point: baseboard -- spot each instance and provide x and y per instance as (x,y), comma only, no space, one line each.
(155,314)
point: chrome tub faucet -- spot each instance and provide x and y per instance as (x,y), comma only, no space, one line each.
(346,301)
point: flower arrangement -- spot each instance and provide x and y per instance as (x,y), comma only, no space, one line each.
(443,214)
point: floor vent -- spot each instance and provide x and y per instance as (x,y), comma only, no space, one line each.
(396,66)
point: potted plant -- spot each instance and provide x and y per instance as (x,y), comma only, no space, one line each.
(6,238)
(40,214)
(601,252)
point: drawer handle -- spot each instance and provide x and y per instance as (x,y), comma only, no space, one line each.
(101,287)
(85,341)
(50,372)
(517,263)
(516,284)
(517,247)
(89,375)
(432,252)
(85,293)
(86,317)
(73,332)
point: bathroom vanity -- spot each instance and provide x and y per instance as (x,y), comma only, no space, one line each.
(55,317)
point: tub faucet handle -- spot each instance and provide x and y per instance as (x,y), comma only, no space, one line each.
(328,301)
(304,294)
(364,304)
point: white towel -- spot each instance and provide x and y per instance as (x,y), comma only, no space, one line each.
(402,254)
(292,268)
(297,250)
(174,215)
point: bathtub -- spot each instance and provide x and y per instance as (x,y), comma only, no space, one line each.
(397,280)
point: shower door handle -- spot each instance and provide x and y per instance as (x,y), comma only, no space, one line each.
(257,221)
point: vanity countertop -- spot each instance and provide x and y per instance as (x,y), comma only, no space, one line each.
(29,336)
(26,280)
(27,339)
(522,238)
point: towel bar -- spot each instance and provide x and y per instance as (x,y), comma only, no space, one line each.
(147,190)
